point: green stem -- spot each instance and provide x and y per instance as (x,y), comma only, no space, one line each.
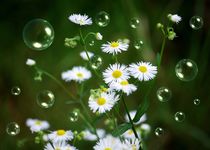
(90,33)
(129,117)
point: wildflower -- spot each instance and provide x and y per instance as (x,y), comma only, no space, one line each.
(77,74)
(92,137)
(175,18)
(129,134)
(124,86)
(114,47)
(84,55)
(61,136)
(80,19)
(115,73)
(131,144)
(36,125)
(59,146)
(132,114)
(99,36)
(102,103)
(144,71)
(30,62)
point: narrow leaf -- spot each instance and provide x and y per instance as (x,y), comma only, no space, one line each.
(121,129)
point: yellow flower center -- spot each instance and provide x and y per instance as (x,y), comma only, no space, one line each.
(101,101)
(61,132)
(80,75)
(123,83)
(38,122)
(116,73)
(103,89)
(107,148)
(130,132)
(134,147)
(142,69)
(57,149)
(114,44)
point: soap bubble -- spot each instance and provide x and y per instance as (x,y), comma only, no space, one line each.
(196,22)
(138,44)
(196,101)
(179,116)
(15,90)
(163,94)
(45,99)
(13,129)
(159,131)
(74,115)
(134,22)
(102,19)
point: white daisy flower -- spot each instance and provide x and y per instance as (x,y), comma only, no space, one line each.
(123,86)
(30,62)
(45,137)
(108,143)
(80,19)
(175,18)
(129,134)
(144,71)
(132,114)
(99,36)
(145,127)
(61,135)
(36,125)
(114,47)
(77,74)
(92,137)
(115,73)
(84,55)
(55,146)
(132,144)
(103,103)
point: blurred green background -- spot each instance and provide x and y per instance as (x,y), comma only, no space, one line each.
(192,134)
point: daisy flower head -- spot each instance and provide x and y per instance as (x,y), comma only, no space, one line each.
(78,74)
(92,137)
(84,56)
(131,144)
(108,143)
(61,136)
(132,114)
(116,73)
(30,62)
(143,71)
(55,146)
(129,134)
(114,47)
(175,18)
(80,19)
(102,103)
(124,86)
(36,125)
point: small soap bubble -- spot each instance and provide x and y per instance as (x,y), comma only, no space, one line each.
(159,131)
(196,101)
(45,99)
(91,43)
(15,90)
(196,22)
(74,115)
(186,70)
(13,129)
(134,23)
(38,34)
(179,116)
(138,44)
(163,94)
(102,19)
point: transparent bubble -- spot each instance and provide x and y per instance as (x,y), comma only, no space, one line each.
(13,129)
(186,70)
(74,115)
(179,116)
(159,131)
(134,22)
(15,90)
(96,62)
(196,101)
(138,44)
(102,19)
(45,99)
(91,43)
(196,22)
(163,94)
(38,34)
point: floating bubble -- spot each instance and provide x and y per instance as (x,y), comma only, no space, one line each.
(179,116)
(102,19)
(74,115)
(13,129)
(134,22)
(138,44)
(196,22)
(96,62)
(196,101)
(163,94)
(91,43)
(186,70)
(45,99)
(38,34)
(159,131)
(15,90)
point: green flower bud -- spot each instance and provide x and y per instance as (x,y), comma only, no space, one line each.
(70,42)
(159,25)
(171,35)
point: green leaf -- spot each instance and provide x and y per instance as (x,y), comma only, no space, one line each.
(121,129)
(141,109)
(158,58)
